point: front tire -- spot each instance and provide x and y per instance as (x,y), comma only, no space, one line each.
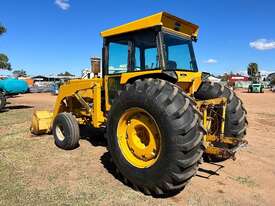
(66,131)
(180,136)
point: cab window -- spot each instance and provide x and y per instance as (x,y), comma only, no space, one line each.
(151,58)
(146,53)
(133,52)
(118,57)
(179,53)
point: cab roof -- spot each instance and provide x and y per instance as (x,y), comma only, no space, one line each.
(163,19)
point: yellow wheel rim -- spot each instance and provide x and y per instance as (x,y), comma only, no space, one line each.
(139,137)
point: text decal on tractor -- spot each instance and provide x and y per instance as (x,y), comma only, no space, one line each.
(159,113)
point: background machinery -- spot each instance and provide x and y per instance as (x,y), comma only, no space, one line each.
(10,87)
(159,113)
(255,77)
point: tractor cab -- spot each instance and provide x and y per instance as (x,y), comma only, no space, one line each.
(158,46)
(155,48)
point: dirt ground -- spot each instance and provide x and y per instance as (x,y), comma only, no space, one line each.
(33,171)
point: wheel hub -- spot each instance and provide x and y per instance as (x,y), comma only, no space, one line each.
(139,138)
(60,132)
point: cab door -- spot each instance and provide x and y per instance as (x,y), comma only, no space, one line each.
(117,53)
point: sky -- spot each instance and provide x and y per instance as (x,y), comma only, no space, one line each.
(53,36)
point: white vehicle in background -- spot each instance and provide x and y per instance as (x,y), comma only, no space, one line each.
(214,79)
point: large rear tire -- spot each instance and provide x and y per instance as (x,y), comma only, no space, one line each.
(66,131)
(235,118)
(174,131)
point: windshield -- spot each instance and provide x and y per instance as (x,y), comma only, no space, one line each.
(179,53)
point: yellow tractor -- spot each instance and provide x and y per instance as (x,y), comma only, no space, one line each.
(160,114)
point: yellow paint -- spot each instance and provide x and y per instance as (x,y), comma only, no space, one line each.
(125,77)
(214,101)
(139,138)
(90,89)
(225,140)
(41,122)
(189,81)
(106,80)
(223,118)
(160,19)
(205,122)
(97,115)
(216,151)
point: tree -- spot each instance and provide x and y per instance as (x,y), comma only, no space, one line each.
(252,69)
(19,73)
(4,62)
(253,72)
(66,73)
(2,29)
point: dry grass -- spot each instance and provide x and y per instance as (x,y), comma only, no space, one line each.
(33,171)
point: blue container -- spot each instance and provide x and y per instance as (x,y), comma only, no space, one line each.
(54,89)
(13,86)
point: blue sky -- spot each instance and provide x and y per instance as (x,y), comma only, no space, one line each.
(45,37)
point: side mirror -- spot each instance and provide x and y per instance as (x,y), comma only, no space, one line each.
(95,63)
